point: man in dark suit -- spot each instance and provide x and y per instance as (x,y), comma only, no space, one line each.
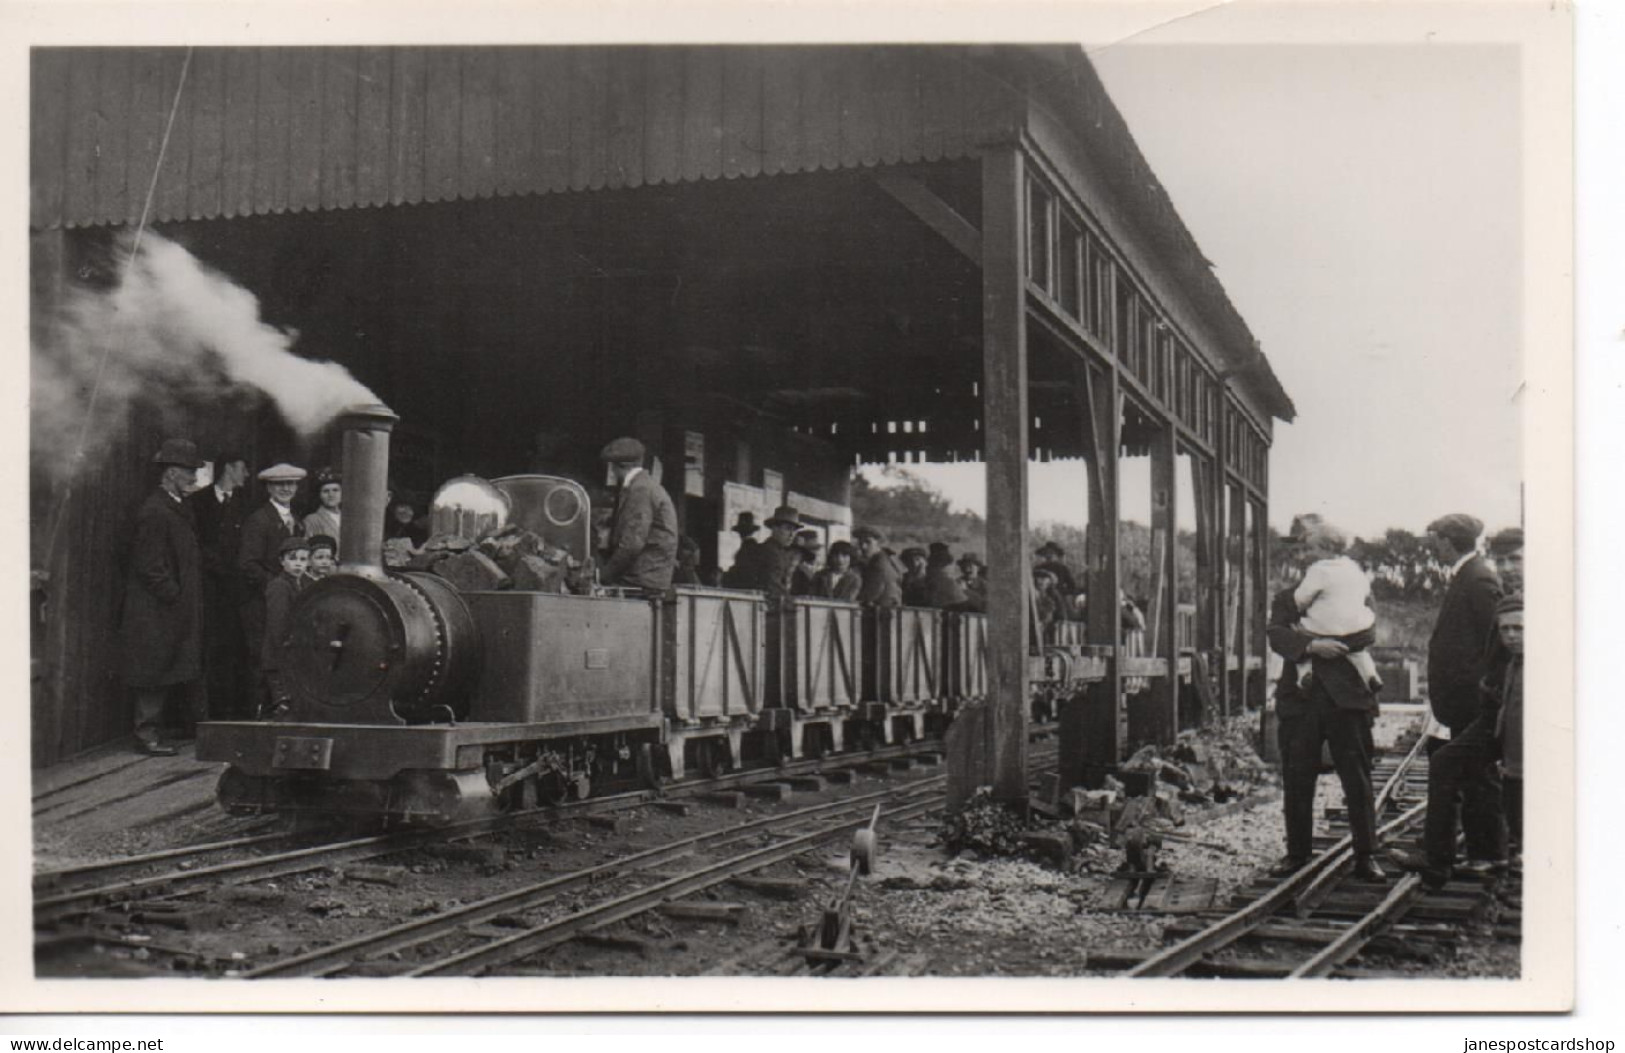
(161,628)
(643,528)
(259,562)
(1460,769)
(743,571)
(780,555)
(219,510)
(1335,707)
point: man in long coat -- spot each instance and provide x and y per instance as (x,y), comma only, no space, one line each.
(643,528)
(1458,661)
(259,561)
(1336,707)
(161,632)
(219,510)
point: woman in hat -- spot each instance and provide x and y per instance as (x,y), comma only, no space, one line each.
(161,629)
(330,492)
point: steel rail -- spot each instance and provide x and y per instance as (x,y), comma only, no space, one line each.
(48,879)
(325,961)
(1351,940)
(479,959)
(333,957)
(54,908)
(1317,874)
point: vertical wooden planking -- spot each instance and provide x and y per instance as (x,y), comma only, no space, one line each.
(741,112)
(551,104)
(83,125)
(590,73)
(663,115)
(305,127)
(408,118)
(238,144)
(910,70)
(442,139)
(207,83)
(955,92)
(894,98)
(48,73)
(782,76)
(149,105)
(702,113)
(1005,418)
(271,132)
(170,196)
(373,126)
(341,82)
(937,101)
(864,77)
(821,78)
(624,117)
(112,135)
(478,153)
(515,120)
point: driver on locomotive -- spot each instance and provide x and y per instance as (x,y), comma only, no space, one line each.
(643,527)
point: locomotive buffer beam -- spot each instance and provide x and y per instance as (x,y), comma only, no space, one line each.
(831,940)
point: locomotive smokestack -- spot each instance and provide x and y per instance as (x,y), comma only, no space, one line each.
(366,475)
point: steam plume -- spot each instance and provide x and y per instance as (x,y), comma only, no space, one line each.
(171,329)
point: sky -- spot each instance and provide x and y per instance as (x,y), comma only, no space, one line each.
(1362,207)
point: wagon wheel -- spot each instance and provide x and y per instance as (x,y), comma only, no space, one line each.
(648,771)
(552,788)
(713,758)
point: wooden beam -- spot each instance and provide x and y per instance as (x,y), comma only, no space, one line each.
(932,211)
(1005,420)
(1091,727)
(1163,716)
(1237,631)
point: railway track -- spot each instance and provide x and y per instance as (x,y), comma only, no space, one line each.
(70,893)
(1316,921)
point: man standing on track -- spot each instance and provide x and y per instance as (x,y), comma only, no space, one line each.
(1461,770)
(1331,705)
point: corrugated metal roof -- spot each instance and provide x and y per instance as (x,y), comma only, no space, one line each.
(269,130)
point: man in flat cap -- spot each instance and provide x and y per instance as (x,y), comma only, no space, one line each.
(1458,661)
(914,567)
(643,527)
(1052,557)
(161,629)
(1506,551)
(882,577)
(1333,705)
(259,561)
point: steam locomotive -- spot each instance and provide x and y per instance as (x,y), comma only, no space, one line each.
(416,700)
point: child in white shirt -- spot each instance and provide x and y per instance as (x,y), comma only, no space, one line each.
(1334,601)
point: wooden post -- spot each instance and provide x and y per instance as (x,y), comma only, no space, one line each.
(1163,618)
(1236,630)
(1092,728)
(1004,430)
(1258,599)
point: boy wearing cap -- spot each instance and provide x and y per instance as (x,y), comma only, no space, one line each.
(324,558)
(161,629)
(974,584)
(914,560)
(882,577)
(294,556)
(1507,690)
(643,528)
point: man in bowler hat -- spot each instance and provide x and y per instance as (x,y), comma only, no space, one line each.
(161,629)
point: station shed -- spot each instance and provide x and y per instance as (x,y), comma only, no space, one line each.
(771,264)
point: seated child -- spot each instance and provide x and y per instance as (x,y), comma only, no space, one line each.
(324,558)
(279,595)
(1334,600)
